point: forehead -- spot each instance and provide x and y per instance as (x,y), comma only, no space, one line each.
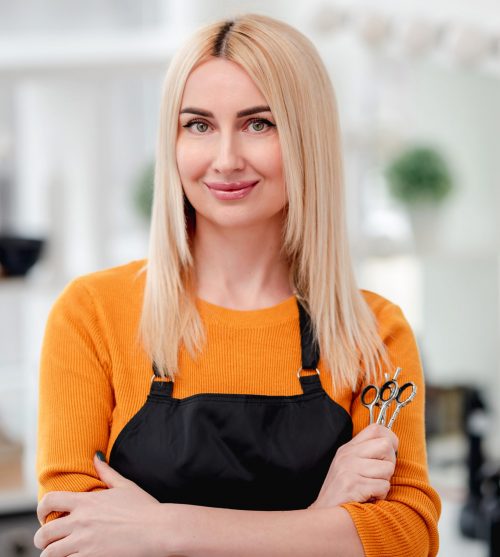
(222,81)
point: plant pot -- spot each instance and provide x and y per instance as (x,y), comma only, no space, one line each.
(18,255)
(425,223)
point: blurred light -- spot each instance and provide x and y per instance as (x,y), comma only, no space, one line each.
(328,18)
(374,28)
(467,43)
(447,41)
(419,36)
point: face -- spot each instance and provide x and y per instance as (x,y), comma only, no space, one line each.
(228,151)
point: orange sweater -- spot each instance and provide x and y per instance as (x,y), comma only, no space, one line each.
(94,377)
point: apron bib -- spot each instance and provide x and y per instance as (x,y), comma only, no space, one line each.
(237,451)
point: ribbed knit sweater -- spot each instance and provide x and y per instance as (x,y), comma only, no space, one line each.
(94,376)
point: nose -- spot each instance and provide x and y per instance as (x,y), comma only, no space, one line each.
(228,155)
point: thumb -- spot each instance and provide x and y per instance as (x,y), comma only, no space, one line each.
(107,474)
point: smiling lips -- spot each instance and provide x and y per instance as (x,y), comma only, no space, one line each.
(232,190)
(232,186)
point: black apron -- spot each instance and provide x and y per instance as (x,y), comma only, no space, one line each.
(237,451)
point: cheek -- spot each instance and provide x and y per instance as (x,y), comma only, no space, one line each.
(190,161)
(268,161)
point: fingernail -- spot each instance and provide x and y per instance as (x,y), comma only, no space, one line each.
(101,456)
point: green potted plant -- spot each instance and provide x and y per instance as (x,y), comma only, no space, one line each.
(420,179)
(143,193)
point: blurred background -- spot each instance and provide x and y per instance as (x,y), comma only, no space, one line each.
(418,90)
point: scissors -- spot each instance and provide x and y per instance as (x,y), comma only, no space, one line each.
(383,397)
(403,401)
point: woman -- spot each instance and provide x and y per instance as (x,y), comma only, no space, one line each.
(232,423)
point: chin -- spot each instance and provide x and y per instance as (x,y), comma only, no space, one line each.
(240,217)
(234,223)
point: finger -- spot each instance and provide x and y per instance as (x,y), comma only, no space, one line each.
(368,468)
(381,449)
(375,489)
(375,444)
(374,469)
(108,475)
(376,431)
(53,531)
(55,501)
(372,431)
(60,548)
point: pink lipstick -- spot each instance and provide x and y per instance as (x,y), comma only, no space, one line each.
(231,190)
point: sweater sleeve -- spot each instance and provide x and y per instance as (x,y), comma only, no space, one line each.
(405,523)
(75,396)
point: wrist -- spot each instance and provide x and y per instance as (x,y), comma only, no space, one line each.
(169,528)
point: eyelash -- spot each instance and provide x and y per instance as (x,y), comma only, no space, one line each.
(252,121)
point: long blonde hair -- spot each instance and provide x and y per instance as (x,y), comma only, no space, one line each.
(288,70)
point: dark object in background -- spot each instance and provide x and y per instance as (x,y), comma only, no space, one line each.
(490,508)
(444,410)
(474,411)
(16,534)
(480,516)
(18,255)
(476,422)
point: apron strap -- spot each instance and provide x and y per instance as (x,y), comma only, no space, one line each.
(309,345)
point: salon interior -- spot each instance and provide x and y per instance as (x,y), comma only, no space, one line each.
(418,89)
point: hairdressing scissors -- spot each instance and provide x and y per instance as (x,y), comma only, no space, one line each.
(403,401)
(383,397)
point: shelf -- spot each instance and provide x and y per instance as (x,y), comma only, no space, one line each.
(13,282)
(14,496)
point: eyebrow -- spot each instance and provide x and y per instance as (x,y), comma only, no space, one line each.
(240,114)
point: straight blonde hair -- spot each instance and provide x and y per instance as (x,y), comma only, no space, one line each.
(289,72)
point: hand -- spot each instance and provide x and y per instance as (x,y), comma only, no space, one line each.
(120,521)
(361,469)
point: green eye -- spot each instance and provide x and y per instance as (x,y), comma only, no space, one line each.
(258,125)
(261,122)
(196,123)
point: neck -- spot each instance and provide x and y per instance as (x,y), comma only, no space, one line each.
(240,268)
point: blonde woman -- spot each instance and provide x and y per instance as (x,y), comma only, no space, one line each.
(221,377)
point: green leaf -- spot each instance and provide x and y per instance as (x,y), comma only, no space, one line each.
(419,175)
(143,193)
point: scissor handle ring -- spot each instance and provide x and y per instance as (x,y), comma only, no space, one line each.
(391,386)
(302,369)
(408,385)
(366,390)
